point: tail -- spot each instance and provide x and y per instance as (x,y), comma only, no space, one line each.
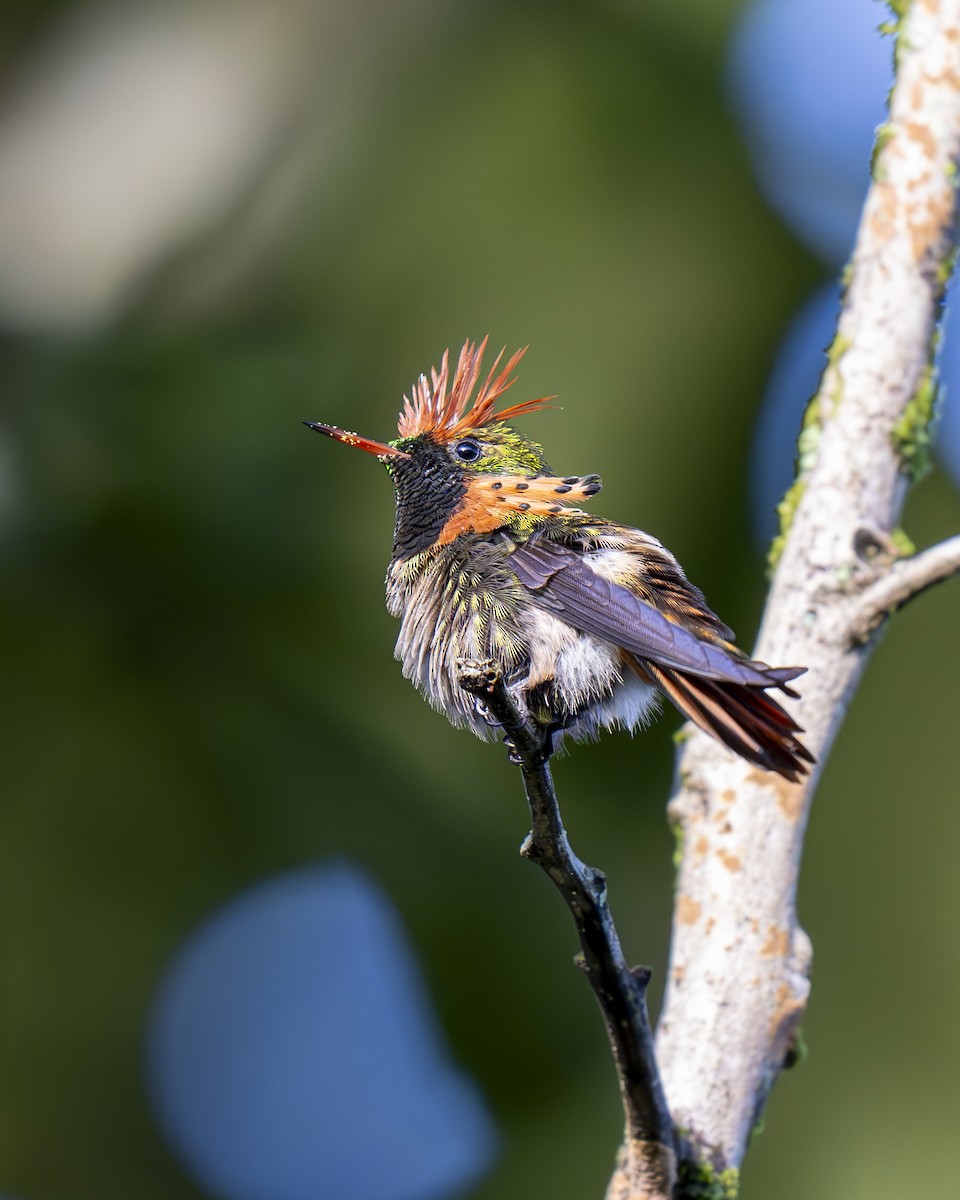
(744,718)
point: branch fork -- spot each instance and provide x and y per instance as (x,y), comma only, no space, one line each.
(898,584)
(738,979)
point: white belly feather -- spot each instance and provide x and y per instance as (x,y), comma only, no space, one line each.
(441,621)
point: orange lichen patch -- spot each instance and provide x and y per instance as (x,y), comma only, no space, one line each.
(728,795)
(444,409)
(730,861)
(925,234)
(922,135)
(726,827)
(790,797)
(701,847)
(948,75)
(786,1014)
(688,911)
(883,212)
(708,928)
(777,943)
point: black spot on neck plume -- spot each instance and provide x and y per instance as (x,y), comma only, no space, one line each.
(430,489)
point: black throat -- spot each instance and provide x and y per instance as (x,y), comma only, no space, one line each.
(430,489)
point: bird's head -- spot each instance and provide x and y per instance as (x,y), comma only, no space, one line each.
(460,467)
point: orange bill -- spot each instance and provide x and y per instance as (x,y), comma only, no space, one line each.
(380,449)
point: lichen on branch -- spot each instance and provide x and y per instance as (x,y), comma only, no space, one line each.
(738,980)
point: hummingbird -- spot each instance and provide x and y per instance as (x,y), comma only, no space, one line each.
(589,621)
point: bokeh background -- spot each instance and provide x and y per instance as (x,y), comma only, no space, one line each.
(265,931)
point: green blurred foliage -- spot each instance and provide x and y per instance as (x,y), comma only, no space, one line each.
(198,681)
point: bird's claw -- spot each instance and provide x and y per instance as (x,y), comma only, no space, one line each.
(541,755)
(514,757)
(483,712)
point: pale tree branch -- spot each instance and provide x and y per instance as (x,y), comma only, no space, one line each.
(646,1168)
(738,978)
(902,581)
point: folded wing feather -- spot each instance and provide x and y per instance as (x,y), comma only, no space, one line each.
(560,580)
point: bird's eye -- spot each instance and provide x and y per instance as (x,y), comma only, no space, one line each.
(468,450)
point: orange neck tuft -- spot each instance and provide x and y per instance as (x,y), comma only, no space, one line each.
(491,499)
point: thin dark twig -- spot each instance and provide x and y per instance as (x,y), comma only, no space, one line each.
(620,991)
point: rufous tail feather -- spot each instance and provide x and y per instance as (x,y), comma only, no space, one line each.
(745,719)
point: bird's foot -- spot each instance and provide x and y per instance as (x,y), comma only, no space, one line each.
(552,734)
(485,715)
(513,754)
(544,752)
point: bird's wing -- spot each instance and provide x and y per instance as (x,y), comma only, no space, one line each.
(561,580)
